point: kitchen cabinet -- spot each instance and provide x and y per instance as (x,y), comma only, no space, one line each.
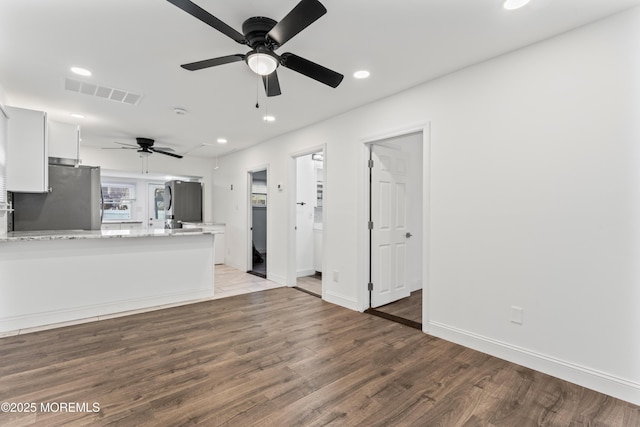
(64,141)
(27,151)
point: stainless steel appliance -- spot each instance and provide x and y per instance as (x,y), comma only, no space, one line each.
(182,203)
(74,202)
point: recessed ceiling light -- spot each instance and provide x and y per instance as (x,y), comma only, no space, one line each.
(222,141)
(362,74)
(80,71)
(269,119)
(77,116)
(514,4)
(180,111)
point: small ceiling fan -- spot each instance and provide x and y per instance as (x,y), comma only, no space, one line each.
(145,148)
(264,36)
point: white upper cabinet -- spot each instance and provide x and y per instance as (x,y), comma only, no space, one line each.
(27,151)
(64,141)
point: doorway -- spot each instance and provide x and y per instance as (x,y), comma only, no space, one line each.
(309,226)
(395,228)
(258,198)
(155,206)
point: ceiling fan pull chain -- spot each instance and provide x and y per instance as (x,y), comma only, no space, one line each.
(266,99)
(257,90)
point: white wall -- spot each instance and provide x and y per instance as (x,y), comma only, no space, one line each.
(533,201)
(128,161)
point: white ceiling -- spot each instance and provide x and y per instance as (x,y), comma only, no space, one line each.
(138,46)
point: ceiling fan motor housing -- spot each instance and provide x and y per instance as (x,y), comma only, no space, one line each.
(145,143)
(255,31)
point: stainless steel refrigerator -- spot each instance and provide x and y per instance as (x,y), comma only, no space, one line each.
(182,203)
(74,202)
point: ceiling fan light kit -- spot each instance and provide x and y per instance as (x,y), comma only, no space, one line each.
(262,64)
(514,4)
(264,36)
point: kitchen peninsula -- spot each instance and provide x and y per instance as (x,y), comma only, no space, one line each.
(59,276)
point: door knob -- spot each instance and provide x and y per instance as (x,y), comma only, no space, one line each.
(408,235)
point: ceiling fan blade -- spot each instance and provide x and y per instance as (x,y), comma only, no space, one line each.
(198,12)
(311,69)
(304,14)
(125,144)
(271,84)
(165,149)
(120,148)
(155,150)
(199,65)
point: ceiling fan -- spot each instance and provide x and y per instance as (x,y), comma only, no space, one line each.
(145,148)
(264,36)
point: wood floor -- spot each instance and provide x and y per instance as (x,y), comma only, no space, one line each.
(229,282)
(311,284)
(284,358)
(409,308)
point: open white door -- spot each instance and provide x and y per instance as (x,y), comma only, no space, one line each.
(389,234)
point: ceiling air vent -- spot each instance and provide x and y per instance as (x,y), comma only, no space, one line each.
(102,91)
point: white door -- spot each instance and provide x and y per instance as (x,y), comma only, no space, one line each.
(155,206)
(389,235)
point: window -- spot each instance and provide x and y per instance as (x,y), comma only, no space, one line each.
(118,201)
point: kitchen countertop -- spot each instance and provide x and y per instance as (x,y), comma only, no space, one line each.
(21,236)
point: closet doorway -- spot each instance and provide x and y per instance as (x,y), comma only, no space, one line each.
(309,225)
(396,228)
(258,203)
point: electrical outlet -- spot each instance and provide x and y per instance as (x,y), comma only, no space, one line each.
(516,315)
(336,276)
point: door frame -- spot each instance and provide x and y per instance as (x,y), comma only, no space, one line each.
(249,175)
(363,216)
(293,187)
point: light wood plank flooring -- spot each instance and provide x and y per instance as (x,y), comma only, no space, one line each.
(409,308)
(229,282)
(312,284)
(280,357)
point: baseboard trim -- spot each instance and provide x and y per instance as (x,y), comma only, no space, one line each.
(280,280)
(340,300)
(590,378)
(303,273)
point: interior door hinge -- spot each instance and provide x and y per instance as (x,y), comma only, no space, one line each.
(370,286)
(370,163)
(370,225)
